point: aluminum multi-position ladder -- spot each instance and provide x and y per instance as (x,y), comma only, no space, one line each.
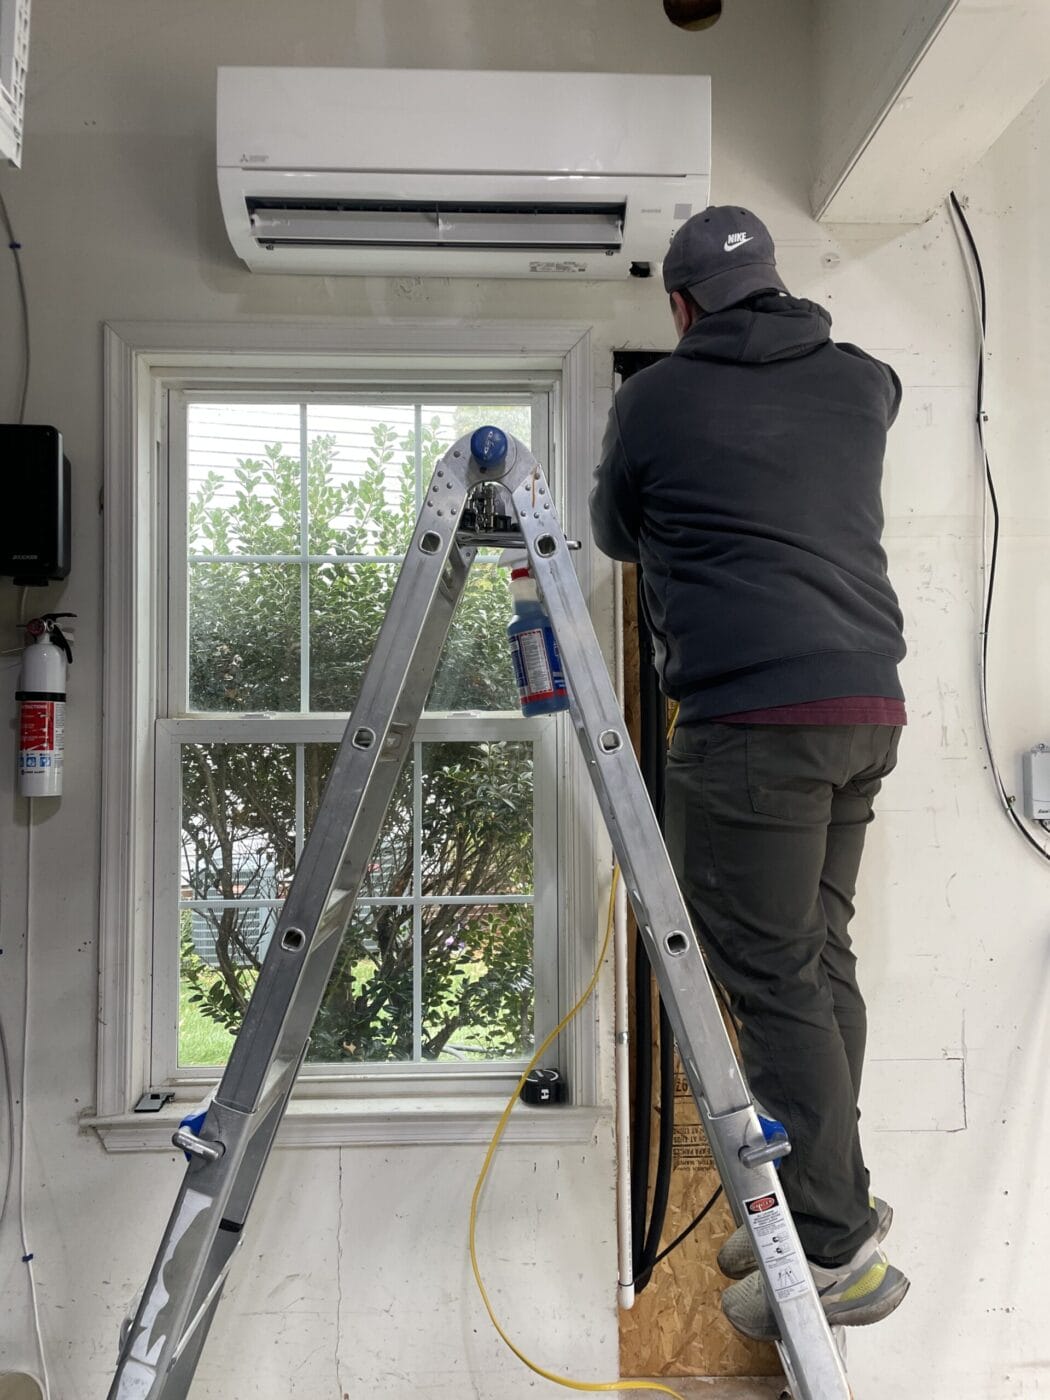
(488,489)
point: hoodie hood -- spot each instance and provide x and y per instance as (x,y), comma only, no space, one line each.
(767,329)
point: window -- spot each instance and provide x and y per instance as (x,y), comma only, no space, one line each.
(251,551)
(288,518)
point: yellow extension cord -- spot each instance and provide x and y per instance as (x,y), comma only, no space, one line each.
(483,1176)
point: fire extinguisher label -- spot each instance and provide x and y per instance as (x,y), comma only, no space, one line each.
(38,725)
(41,735)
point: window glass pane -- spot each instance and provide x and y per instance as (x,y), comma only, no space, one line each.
(362,478)
(366,1013)
(462,418)
(238,820)
(475,671)
(477,819)
(243,474)
(389,871)
(238,853)
(244,636)
(348,603)
(477,982)
(239,839)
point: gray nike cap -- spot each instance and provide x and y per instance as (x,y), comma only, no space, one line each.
(721,255)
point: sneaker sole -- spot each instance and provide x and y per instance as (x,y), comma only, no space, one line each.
(871,1312)
(737,1272)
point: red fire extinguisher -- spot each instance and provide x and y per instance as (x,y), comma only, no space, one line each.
(42,700)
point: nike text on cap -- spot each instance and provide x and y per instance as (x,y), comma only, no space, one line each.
(722,255)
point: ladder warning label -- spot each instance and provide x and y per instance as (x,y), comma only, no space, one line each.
(774,1243)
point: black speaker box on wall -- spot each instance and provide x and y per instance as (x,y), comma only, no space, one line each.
(34,518)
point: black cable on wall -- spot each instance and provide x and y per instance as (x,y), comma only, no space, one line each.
(16,249)
(975,269)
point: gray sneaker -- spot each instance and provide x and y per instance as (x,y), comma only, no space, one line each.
(736,1258)
(865,1290)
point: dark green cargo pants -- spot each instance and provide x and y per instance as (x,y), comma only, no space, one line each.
(765,827)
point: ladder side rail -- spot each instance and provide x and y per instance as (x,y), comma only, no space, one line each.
(215,1257)
(181,1273)
(360,806)
(334,859)
(649,879)
(180,1377)
(707,1054)
(189,1271)
(216,1193)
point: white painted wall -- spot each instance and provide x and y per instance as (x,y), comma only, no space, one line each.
(353,1279)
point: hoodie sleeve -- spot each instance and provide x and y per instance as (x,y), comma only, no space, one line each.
(890,381)
(615,506)
(898,393)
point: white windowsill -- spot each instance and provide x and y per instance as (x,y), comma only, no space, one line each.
(373,1123)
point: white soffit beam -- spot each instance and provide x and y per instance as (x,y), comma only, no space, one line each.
(972,73)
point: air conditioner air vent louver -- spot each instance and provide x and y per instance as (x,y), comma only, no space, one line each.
(436,224)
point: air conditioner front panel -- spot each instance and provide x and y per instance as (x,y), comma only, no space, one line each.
(398,119)
(397,172)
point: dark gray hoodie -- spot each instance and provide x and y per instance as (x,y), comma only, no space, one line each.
(744,474)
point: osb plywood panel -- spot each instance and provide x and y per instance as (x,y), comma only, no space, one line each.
(676,1327)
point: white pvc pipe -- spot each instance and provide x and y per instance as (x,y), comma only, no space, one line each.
(625,1282)
(622,1055)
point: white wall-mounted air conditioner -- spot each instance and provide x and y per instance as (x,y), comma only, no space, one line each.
(396,172)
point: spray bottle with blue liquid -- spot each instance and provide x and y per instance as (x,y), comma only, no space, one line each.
(533,646)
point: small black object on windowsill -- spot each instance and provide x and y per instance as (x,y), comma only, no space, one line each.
(544,1087)
(153,1100)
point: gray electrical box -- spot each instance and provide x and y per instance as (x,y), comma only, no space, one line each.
(1035,768)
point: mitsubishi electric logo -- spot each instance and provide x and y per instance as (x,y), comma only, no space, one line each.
(735,241)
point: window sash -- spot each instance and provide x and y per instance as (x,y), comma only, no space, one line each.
(546,900)
(174,678)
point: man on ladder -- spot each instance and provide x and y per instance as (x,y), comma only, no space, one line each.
(743,473)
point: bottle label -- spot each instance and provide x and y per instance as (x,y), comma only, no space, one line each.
(537,666)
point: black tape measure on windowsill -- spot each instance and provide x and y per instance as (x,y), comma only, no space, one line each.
(544,1087)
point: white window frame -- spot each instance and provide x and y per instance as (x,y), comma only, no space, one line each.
(14,64)
(143,362)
